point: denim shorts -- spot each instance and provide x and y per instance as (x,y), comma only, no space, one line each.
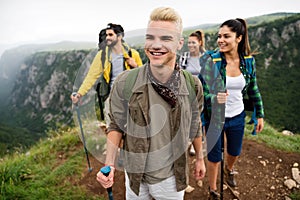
(234,131)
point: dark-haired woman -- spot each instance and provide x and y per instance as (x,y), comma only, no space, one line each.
(237,76)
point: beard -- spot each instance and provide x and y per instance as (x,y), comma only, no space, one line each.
(111,43)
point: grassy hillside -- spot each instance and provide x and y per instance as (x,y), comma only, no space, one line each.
(49,170)
(52,168)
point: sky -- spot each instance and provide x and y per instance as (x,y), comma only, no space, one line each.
(40,21)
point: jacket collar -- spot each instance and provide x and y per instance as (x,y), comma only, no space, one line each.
(139,86)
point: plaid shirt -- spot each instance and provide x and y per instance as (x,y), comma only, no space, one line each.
(214,80)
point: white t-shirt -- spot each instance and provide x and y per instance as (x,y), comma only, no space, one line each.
(117,65)
(234,104)
(193,65)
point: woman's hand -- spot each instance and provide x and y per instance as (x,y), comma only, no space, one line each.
(260,125)
(222,97)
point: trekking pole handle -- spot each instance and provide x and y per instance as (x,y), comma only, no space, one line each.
(74,95)
(105,171)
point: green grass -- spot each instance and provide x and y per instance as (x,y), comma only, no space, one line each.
(295,196)
(42,173)
(274,139)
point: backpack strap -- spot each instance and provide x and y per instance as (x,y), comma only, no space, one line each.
(190,83)
(249,64)
(130,53)
(183,60)
(103,57)
(129,83)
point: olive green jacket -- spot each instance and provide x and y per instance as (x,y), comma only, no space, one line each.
(132,119)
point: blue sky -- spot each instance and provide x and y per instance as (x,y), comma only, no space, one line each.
(36,21)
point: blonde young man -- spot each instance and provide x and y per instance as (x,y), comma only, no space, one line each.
(158,120)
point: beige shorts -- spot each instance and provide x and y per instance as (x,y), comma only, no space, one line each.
(165,189)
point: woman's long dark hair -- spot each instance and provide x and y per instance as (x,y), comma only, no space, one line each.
(239,26)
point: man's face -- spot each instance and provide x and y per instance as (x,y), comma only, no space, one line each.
(162,42)
(111,38)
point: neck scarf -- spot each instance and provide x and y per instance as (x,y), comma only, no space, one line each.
(169,90)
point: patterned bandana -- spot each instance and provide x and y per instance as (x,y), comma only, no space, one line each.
(169,90)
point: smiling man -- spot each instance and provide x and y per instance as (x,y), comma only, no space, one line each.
(112,58)
(158,120)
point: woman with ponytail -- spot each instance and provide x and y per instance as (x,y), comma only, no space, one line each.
(190,60)
(235,67)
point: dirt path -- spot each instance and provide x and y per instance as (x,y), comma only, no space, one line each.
(262,171)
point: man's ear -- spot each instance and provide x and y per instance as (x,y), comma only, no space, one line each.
(180,43)
(119,36)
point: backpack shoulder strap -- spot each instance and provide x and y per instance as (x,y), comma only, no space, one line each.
(103,57)
(249,64)
(183,60)
(130,53)
(203,59)
(190,82)
(217,60)
(129,83)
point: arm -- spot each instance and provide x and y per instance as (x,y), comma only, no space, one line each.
(197,107)
(255,96)
(92,75)
(113,140)
(206,78)
(90,79)
(200,169)
(115,131)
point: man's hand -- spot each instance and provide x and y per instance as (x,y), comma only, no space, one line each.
(200,169)
(106,181)
(131,62)
(75,97)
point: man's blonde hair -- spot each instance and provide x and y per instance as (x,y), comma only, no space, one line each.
(167,14)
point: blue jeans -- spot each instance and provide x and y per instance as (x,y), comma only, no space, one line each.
(234,131)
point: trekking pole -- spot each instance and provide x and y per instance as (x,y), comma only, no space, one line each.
(222,165)
(82,134)
(105,171)
(222,149)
